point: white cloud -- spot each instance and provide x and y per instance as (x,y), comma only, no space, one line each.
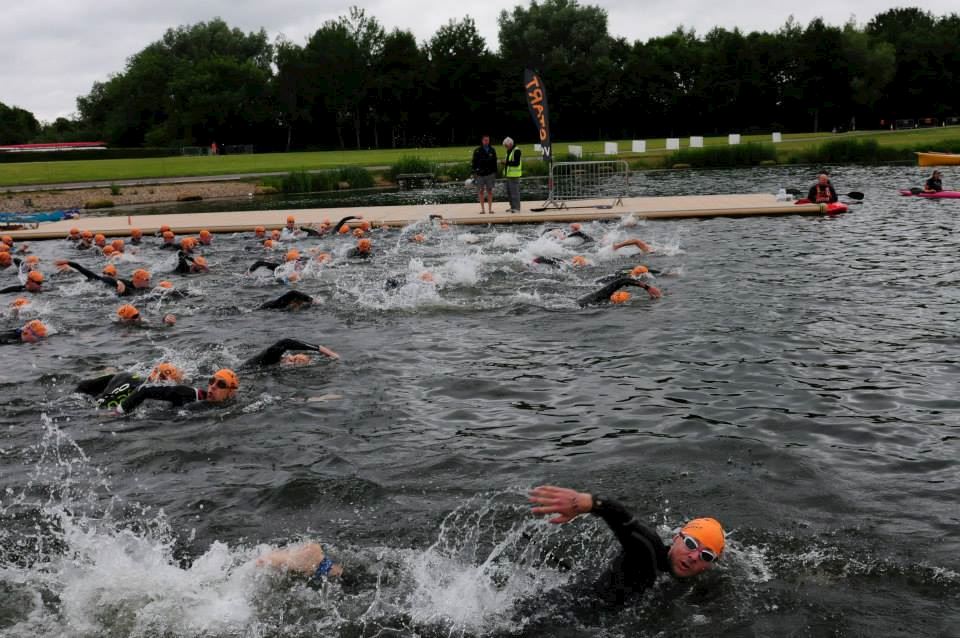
(51,51)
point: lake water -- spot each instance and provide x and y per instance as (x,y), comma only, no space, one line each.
(798,381)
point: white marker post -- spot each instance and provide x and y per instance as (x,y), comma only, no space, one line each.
(673,143)
(696,141)
(575,150)
(610,148)
(777,138)
(639,146)
(733,139)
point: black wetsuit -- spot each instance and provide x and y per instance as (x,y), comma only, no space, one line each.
(183,263)
(643,556)
(586,238)
(170,246)
(128,288)
(313,232)
(178,395)
(16,288)
(274,353)
(111,389)
(291,297)
(548,261)
(356,253)
(935,185)
(828,192)
(263,264)
(603,295)
(8,337)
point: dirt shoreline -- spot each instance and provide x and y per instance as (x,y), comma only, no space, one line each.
(41,201)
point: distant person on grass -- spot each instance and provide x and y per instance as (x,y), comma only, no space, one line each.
(485,171)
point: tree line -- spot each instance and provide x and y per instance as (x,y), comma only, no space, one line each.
(354,84)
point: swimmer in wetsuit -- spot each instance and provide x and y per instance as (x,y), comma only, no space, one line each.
(187,264)
(111,389)
(33,283)
(277,353)
(223,385)
(335,229)
(291,300)
(548,261)
(606,293)
(636,272)
(31,332)
(643,557)
(138,284)
(363,250)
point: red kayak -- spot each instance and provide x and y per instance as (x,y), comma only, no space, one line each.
(832,209)
(937,195)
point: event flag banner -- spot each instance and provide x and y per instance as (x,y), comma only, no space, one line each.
(537,103)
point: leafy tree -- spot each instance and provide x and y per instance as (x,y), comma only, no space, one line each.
(17,125)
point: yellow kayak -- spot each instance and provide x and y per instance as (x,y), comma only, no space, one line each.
(938,159)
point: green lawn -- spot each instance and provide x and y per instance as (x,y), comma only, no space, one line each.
(107,170)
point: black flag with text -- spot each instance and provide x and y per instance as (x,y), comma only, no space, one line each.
(537,103)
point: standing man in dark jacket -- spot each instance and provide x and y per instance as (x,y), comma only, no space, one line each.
(513,171)
(485,171)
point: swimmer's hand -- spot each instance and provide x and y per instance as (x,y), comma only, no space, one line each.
(327,352)
(567,504)
(62,265)
(654,292)
(121,287)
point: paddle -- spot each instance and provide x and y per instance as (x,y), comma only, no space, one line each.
(599,206)
(857,195)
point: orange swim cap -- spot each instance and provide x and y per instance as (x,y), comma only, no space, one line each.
(19,302)
(8,240)
(110,270)
(290,219)
(141,276)
(268,243)
(128,312)
(708,531)
(275,234)
(136,232)
(187,244)
(418,237)
(99,239)
(168,235)
(74,232)
(293,254)
(365,225)
(117,245)
(164,228)
(5,259)
(165,284)
(205,234)
(344,229)
(364,245)
(639,270)
(32,260)
(579,260)
(228,376)
(323,257)
(574,227)
(87,234)
(621,296)
(200,262)
(260,231)
(36,327)
(358,232)
(35,276)
(165,372)
(4,247)
(108,251)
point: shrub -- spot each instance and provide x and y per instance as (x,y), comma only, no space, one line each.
(114,190)
(98,203)
(356,177)
(297,182)
(850,151)
(411,164)
(325,181)
(458,172)
(750,154)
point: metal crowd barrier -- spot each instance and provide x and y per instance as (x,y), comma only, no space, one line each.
(587,180)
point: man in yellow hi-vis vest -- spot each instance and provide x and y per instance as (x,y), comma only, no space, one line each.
(513,171)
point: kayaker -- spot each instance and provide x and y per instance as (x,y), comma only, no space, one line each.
(823,191)
(934,184)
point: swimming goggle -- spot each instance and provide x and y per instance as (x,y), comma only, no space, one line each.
(706,555)
(220,383)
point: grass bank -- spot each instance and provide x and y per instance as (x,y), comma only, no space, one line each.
(793,147)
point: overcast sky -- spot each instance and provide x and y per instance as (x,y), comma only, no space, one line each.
(51,51)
